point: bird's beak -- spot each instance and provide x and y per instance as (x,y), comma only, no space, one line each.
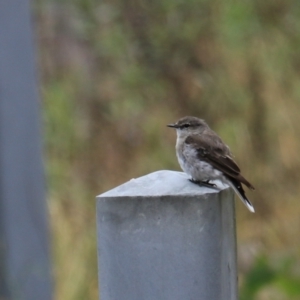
(173,125)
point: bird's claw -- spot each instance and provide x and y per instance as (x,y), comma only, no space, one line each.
(203,183)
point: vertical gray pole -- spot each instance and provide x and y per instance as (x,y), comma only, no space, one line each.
(24,247)
(162,237)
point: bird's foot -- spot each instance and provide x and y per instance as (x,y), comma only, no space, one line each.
(203,183)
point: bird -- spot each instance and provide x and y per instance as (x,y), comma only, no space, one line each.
(203,155)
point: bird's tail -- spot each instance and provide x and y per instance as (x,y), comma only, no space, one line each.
(237,186)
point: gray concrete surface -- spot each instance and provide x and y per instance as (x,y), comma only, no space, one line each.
(161,237)
(24,246)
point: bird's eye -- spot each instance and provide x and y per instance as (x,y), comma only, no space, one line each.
(186,125)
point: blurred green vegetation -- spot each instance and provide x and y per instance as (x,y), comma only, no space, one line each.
(114,73)
(264,281)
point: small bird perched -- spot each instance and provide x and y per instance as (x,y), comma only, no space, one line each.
(204,156)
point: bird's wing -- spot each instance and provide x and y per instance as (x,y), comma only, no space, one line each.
(211,149)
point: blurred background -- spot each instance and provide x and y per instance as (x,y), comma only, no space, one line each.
(114,73)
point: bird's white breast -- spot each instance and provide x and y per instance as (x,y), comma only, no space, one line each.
(190,163)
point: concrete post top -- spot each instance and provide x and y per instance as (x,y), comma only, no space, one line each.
(162,183)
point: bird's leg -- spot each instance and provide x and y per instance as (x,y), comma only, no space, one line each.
(203,183)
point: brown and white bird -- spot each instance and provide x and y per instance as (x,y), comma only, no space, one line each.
(204,156)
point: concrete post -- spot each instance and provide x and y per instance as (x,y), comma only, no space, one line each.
(161,237)
(25,271)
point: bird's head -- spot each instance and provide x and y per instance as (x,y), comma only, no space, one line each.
(189,125)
